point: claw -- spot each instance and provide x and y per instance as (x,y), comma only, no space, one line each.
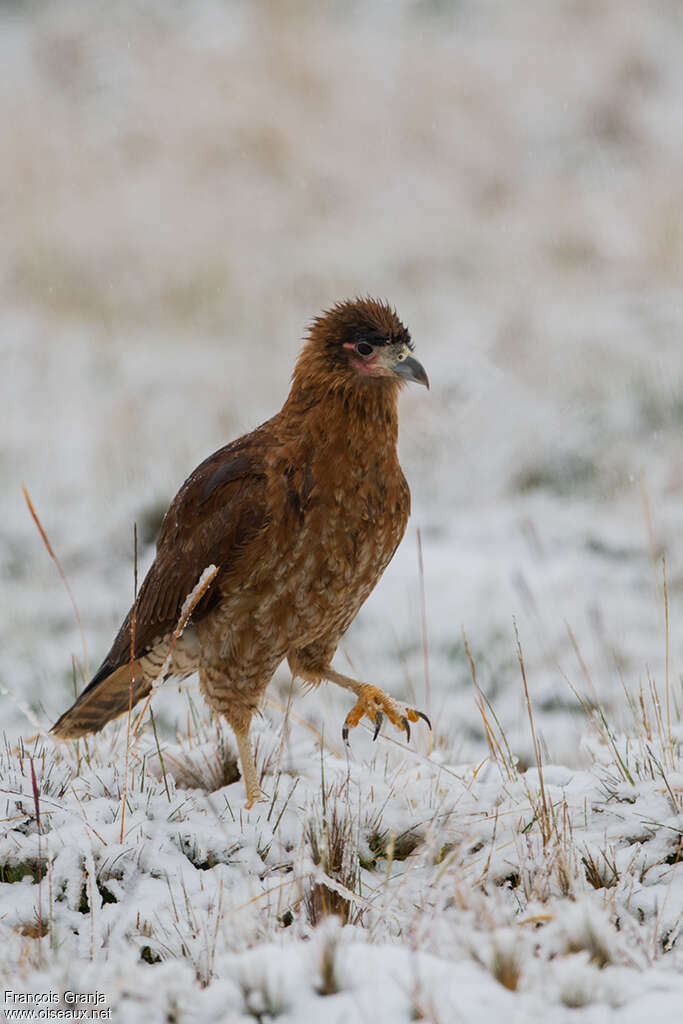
(372,703)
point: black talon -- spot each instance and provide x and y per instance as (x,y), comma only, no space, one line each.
(345,733)
(406,726)
(422,715)
(379,718)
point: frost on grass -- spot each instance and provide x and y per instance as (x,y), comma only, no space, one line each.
(425,885)
(540,275)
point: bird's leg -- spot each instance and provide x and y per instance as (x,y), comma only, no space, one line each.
(374,703)
(249,773)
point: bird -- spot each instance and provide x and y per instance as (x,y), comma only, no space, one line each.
(297,521)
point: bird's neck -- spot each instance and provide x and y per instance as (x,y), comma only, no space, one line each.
(365,414)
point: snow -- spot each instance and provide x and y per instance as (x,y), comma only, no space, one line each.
(185,187)
(220,892)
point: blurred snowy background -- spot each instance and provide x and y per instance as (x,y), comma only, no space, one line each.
(183,186)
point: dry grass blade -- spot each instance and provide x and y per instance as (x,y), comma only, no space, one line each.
(544,817)
(330,839)
(425,639)
(36,802)
(669,738)
(131,679)
(190,603)
(494,746)
(584,668)
(61,572)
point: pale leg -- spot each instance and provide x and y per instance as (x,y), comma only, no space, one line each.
(248,767)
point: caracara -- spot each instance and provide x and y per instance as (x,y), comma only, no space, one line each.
(300,517)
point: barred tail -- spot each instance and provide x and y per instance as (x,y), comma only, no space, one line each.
(105,698)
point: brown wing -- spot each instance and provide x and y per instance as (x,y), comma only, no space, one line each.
(217,512)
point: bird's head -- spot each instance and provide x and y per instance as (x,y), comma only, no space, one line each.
(359,342)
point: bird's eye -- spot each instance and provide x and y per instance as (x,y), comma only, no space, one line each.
(363,349)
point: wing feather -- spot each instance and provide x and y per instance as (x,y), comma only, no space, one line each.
(217,514)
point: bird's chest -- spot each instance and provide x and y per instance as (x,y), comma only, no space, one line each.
(345,516)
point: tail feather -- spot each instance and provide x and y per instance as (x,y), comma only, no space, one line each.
(104,699)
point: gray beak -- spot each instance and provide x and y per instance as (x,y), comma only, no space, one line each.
(410,369)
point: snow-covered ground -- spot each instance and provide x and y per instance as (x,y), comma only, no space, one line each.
(181,189)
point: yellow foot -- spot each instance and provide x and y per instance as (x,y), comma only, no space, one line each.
(375,704)
(253,798)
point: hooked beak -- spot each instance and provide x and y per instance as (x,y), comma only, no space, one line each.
(410,369)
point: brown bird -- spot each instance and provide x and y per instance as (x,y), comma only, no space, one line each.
(301,517)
